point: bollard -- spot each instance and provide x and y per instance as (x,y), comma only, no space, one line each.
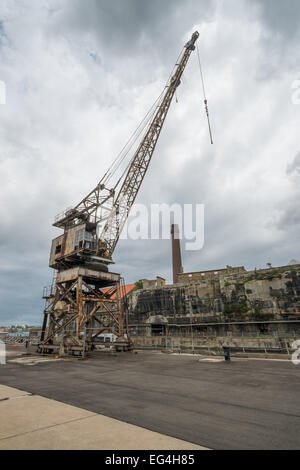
(226,351)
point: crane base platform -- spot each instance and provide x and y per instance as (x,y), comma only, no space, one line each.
(82,306)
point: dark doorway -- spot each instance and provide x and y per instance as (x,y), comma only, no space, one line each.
(158,330)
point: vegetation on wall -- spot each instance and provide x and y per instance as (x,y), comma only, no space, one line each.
(139,284)
(235,310)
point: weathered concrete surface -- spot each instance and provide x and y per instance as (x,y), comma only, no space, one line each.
(234,296)
(246,404)
(9,392)
(34,422)
(33,413)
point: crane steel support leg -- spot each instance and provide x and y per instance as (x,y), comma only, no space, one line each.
(83,305)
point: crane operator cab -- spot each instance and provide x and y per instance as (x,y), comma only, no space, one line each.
(79,245)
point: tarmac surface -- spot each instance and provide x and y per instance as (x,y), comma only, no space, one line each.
(245,404)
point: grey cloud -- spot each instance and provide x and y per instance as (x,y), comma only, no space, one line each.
(291,216)
(293,168)
(290,209)
(281,17)
(132,24)
(4,40)
(280,29)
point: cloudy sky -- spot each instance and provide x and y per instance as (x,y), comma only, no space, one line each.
(79,77)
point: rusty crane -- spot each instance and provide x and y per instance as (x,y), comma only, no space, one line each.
(85,299)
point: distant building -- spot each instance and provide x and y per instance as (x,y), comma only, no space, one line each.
(127,289)
(150,284)
(293,262)
(19,334)
(211,274)
(35,334)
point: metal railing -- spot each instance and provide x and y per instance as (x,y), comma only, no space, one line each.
(196,334)
(62,215)
(173,344)
(49,291)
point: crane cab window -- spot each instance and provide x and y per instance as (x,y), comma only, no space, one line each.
(84,239)
(58,249)
(79,236)
(90,241)
(89,237)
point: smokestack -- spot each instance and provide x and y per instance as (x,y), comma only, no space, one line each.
(176,253)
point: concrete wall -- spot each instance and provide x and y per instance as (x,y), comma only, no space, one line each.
(218,304)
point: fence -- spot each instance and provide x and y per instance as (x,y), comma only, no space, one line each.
(21,340)
(190,333)
(214,345)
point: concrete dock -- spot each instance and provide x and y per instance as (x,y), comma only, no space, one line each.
(32,422)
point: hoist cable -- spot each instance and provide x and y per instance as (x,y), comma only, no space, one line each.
(150,114)
(204,95)
(136,134)
(130,161)
(122,155)
(166,86)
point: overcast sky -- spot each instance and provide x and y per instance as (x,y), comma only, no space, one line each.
(80,75)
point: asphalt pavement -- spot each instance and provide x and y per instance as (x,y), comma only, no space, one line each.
(245,404)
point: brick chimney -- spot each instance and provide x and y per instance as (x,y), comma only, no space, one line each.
(176,253)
